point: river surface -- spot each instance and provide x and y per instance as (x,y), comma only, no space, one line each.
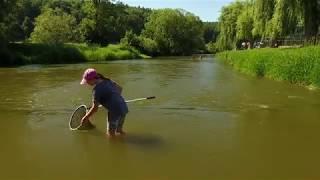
(208,122)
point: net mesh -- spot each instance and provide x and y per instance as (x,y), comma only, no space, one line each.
(78,114)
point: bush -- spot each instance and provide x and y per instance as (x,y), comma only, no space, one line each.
(149,46)
(111,52)
(212,47)
(143,44)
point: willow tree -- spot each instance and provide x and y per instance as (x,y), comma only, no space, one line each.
(286,18)
(228,25)
(263,12)
(278,18)
(245,24)
(311,11)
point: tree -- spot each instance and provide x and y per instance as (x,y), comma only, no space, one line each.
(210,31)
(175,31)
(259,19)
(27,11)
(7,19)
(263,12)
(87,25)
(135,18)
(143,44)
(245,24)
(27,27)
(110,22)
(228,25)
(54,26)
(285,18)
(311,10)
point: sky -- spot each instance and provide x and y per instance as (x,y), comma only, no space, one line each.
(207,10)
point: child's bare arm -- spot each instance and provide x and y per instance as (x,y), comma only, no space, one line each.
(94,108)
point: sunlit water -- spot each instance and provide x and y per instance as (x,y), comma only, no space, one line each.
(208,122)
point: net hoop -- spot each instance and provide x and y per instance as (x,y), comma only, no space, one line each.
(77,115)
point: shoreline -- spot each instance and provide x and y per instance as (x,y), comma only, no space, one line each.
(299,66)
(18,54)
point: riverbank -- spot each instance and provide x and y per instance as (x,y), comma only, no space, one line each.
(31,53)
(299,66)
(110,52)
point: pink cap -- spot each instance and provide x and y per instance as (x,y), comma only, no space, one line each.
(88,75)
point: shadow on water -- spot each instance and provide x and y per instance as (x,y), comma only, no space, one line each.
(141,140)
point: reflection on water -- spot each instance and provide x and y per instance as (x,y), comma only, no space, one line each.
(208,122)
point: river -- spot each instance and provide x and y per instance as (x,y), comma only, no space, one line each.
(207,122)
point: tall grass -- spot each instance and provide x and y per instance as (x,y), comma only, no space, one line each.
(298,66)
(110,52)
(31,53)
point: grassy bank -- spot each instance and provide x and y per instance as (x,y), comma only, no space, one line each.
(110,52)
(298,66)
(30,53)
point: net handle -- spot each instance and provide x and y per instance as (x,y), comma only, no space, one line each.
(140,99)
(135,100)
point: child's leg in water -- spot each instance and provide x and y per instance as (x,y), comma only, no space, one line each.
(112,125)
(120,125)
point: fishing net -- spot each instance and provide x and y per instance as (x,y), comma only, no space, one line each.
(78,114)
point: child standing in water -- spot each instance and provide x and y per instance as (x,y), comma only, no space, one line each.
(107,93)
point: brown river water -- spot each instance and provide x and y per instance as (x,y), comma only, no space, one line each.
(207,122)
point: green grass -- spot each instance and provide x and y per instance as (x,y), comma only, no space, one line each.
(298,66)
(31,53)
(110,52)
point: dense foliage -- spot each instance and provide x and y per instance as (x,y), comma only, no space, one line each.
(254,20)
(54,26)
(102,22)
(173,32)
